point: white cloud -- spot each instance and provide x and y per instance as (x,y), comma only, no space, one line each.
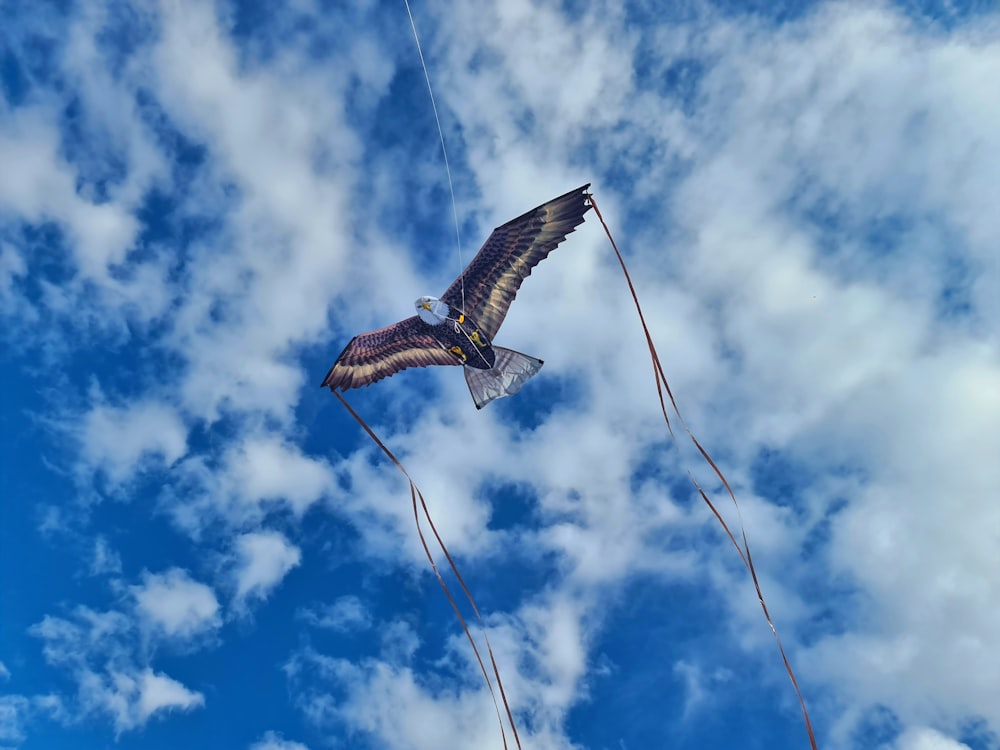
(131,698)
(118,441)
(841,356)
(925,738)
(346,614)
(291,224)
(177,605)
(274,741)
(12,714)
(262,559)
(38,185)
(389,702)
(104,560)
(19,712)
(12,266)
(105,655)
(158,693)
(542,652)
(269,470)
(256,476)
(694,689)
(110,107)
(4,672)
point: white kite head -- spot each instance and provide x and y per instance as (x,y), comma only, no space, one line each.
(432,310)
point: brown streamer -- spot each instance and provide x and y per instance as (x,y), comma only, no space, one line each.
(414,494)
(744,551)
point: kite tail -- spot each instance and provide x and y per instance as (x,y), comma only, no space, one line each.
(510,371)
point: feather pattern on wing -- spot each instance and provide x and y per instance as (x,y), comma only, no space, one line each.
(493,277)
(378,354)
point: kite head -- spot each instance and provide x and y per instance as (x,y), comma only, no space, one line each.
(432,310)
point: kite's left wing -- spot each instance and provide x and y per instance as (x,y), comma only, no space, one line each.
(495,274)
(378,354)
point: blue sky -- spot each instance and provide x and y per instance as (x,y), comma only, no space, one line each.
(201,203)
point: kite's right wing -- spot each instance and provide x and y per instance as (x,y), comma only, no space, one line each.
(378,354)
(493,277)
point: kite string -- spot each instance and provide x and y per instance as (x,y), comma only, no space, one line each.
(744,550)
(414,494)
(444,150)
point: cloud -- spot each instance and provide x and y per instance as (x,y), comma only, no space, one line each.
(157,692)
(387,701)
(19,712)
(105,655)
(290,224)
(255,477)
(274,741)
(542,649)
(105,560)
(175,605)
(271,470)
(12,266)
(839,349)
(12,711)
(131,698)
(40,186)
(925,738)
(118,441)
(346,614)
(261,560)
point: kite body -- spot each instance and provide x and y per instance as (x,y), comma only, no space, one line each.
(490,372)
(457,333)
(458,329)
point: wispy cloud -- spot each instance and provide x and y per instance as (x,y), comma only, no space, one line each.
(105,560)
(346,614)
(275,741)
(175,605)
(924,738)
(12,708)
(118,440)
(108,657)
(261,560)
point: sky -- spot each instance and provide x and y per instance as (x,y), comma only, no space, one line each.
(202,202)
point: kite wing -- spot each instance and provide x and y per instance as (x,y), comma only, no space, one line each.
(378,354)
(495,274)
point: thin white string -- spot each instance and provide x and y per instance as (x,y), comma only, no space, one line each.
(444,150)
(459,328)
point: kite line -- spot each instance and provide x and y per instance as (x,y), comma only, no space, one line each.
(744,549)
(416,494)
(444,151)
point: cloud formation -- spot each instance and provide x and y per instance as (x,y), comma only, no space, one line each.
(176,605)
(262,559)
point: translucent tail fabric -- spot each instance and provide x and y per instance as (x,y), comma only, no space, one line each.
(510,371)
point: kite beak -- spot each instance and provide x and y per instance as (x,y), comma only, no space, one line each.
(426,306)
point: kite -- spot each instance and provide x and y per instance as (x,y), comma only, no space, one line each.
(458,328)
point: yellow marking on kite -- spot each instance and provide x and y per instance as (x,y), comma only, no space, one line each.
(458,350)
(461,318)
(476,340)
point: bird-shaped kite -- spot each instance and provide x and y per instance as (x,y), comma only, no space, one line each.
(458,328)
